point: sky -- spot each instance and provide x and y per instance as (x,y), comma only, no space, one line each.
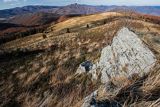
(5,4)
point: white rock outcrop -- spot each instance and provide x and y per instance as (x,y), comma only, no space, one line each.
(90,99)
(125,56)
(85,67)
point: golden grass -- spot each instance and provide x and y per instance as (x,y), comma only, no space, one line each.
(68,51)
(83,20)
(152,83)
(137,92)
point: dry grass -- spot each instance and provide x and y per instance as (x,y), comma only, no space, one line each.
(83,20)
(151,86)
(48,78)
(140,91)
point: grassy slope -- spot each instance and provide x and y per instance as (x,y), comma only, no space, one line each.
(48,76)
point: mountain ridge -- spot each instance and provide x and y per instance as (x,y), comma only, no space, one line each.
(72,8)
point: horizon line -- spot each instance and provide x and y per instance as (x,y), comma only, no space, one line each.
(79,4)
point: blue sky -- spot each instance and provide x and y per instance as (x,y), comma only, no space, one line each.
(4,4)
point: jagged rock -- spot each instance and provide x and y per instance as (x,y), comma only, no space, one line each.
(90,101)
(85,67)
(126,55)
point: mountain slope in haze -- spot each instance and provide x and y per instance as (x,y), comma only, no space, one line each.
(80,9)
(152,10)
(24,10)
(69,9)
(75,9)
(32,19)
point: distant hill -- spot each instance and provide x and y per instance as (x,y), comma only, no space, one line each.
(32,19)
(153,10)
(27,24)
(25,10)
(75,9)
(80,9)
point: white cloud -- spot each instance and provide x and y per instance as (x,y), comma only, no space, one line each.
(10,0)
(6,1)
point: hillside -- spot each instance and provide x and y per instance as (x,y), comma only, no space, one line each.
(25,10)
(75,9)
(33,19)
(8,25)
(80,9)
(104,59)
(27,24)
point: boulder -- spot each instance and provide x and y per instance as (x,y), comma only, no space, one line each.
(85,67)
(126,55)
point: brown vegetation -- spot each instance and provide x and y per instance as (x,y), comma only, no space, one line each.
(47,77)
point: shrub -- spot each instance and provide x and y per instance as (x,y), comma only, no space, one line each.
(44,36)
(68,30)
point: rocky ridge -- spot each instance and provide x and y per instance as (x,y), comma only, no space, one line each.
(127,55)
